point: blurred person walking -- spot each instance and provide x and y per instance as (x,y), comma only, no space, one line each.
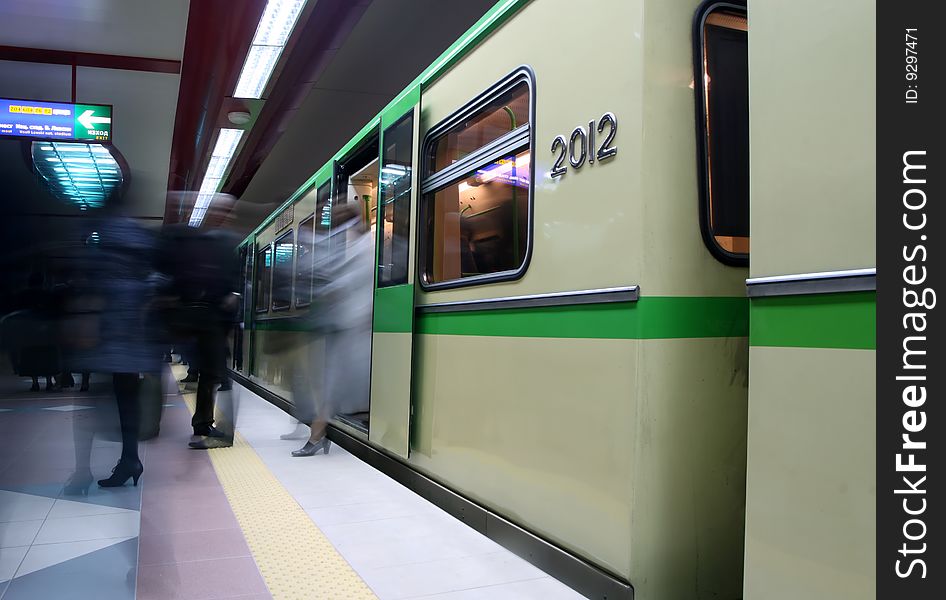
(204,278)
(110,332)
(31,330)
(343,279)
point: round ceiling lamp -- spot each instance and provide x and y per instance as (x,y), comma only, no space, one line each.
(239,117)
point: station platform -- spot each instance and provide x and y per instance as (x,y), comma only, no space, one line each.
(248,522)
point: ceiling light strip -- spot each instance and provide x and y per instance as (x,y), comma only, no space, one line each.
(227,143)
(275,26)
(272,33)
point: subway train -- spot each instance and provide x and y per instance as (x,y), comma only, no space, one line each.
(573,349)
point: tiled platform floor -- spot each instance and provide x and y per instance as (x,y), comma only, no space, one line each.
(400,544)
(53,543)
(175,536)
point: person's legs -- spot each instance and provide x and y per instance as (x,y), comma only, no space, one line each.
(126,392)
(193,374)
(82,435)
(85,382)
(203,417)
(212,361)
(35,387)
(129,465)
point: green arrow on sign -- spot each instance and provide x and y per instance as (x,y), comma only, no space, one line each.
(88,120)
(93,122)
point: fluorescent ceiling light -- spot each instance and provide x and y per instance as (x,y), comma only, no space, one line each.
(275,26)
(259,65)
(277,22)
(228,140)
(81,174)
(216,168)
(227,143)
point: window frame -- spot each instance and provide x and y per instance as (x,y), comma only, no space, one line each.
(295,259)
(261,264)
(705,9)
(408,116)
(431,183)
(290,233)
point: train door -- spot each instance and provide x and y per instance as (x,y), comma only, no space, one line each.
(355,184)
(393,323)
(240,326)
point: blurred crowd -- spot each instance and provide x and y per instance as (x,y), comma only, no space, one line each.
(130,298)
(126,298)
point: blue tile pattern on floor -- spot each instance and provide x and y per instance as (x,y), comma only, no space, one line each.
(107,574)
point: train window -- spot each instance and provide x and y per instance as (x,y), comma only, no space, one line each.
(721,63)
(476,202)
(323,206)
(490,121)
(264,266)
(356,182)
(282,271)
(396,168)
(305,249)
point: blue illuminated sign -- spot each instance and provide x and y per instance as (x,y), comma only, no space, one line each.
(60,121)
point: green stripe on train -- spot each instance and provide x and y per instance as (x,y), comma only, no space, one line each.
(393,308)
(648,318)
(843,320)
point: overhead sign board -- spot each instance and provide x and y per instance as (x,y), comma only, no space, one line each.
(55,121)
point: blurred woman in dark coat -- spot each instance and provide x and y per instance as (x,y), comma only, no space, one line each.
(112,331)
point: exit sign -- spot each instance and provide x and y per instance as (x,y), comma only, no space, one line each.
(55,121)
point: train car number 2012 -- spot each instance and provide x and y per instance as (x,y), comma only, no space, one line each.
(581,145)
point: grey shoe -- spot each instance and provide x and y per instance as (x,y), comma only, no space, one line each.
(312,448)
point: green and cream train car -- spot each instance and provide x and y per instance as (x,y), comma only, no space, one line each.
(561,341)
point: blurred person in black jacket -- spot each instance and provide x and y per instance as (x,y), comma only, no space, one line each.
(204,279)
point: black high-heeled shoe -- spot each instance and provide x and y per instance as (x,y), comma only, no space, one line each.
(122,472)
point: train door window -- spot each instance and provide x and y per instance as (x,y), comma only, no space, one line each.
(264,267)
(396,169)
(305,250)
(721,64)
(477,190)
(282,271)
(356,181)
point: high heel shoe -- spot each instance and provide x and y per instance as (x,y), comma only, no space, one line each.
(122,472)
(312,448)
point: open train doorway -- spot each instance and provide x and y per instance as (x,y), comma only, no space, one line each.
(356,185)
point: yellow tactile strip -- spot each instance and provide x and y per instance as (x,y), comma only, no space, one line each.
(293,555)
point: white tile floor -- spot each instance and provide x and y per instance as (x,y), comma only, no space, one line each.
(37,532)
(403,546)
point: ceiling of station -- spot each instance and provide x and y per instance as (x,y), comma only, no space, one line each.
(151,28)
(392,43)
(115,32)
(149,60)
